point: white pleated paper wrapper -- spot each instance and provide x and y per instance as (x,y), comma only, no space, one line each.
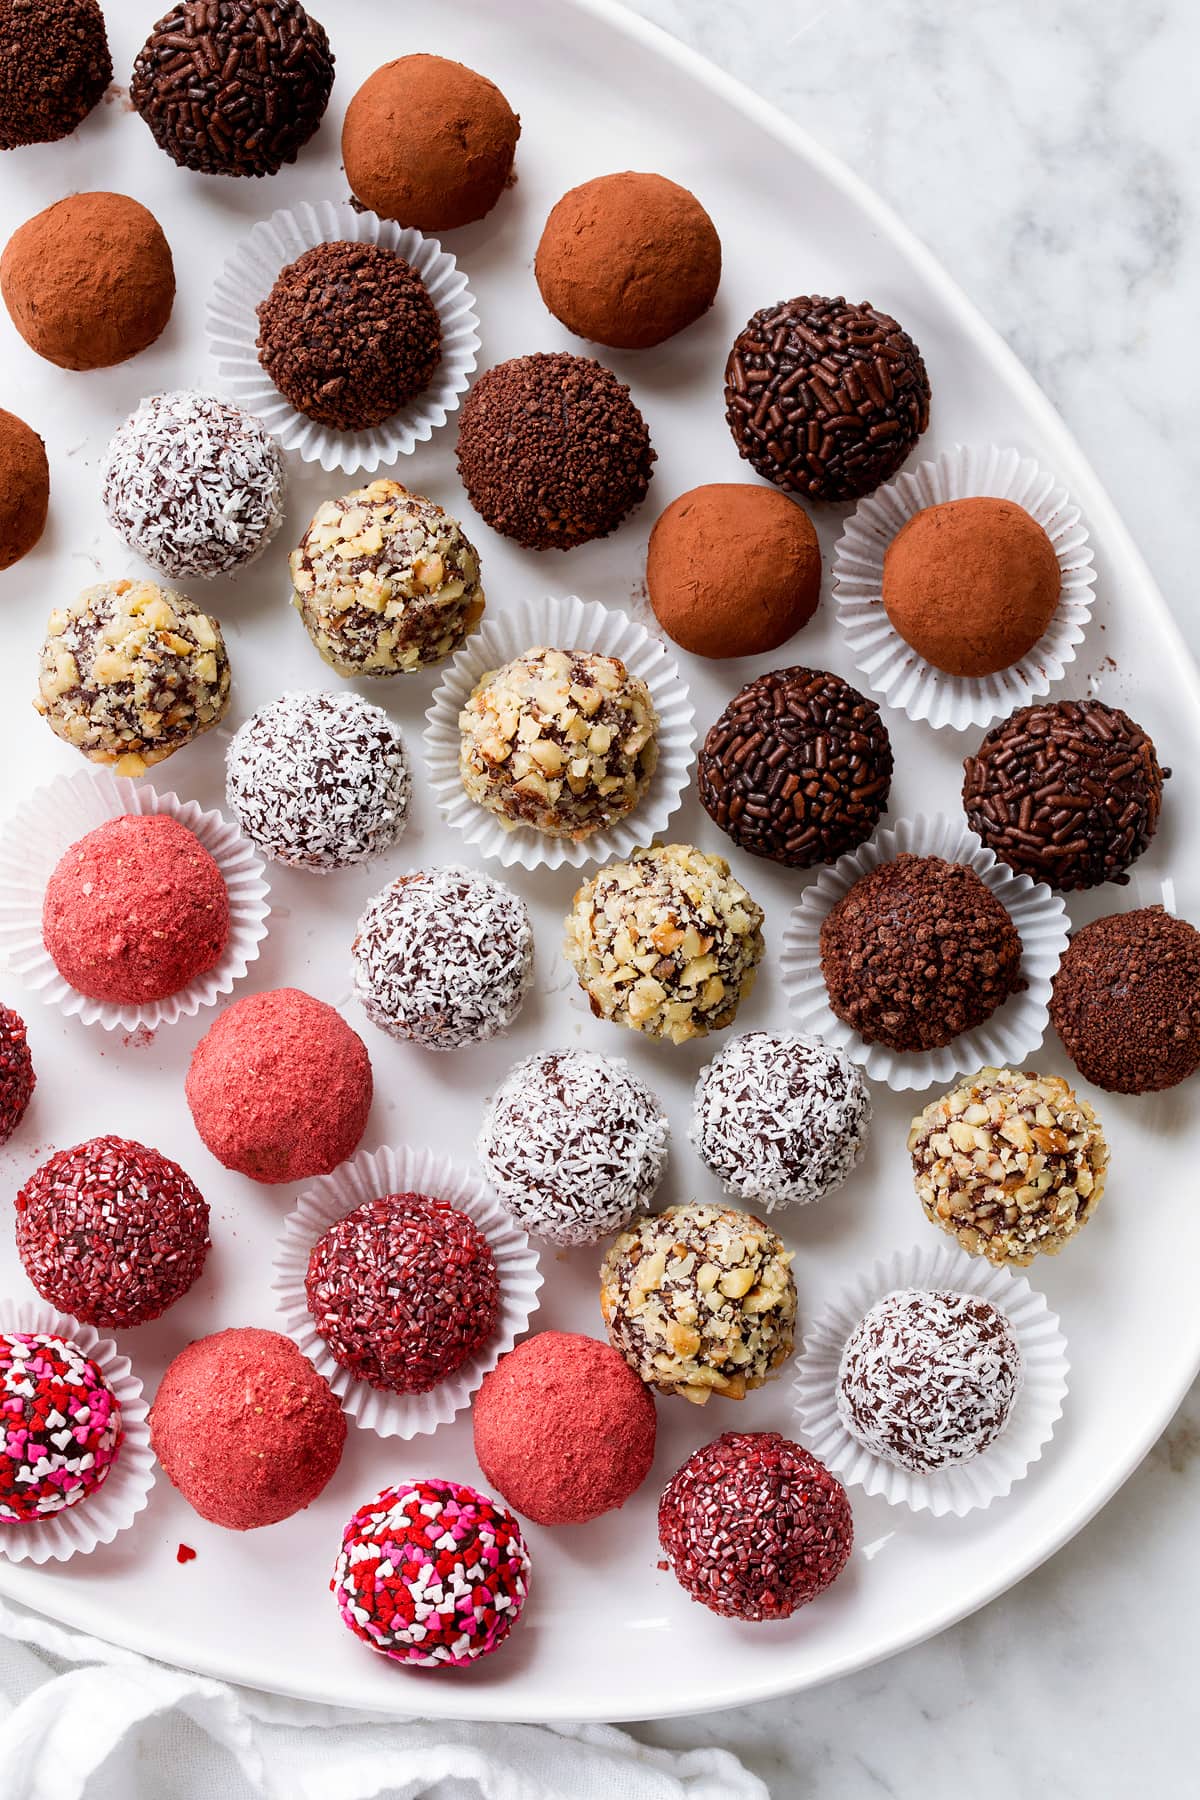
(404,1170)
(892,667)
(121,1496)
(45,826)
(1030,1426)
(561,623)
(247,279)
(1014,1029)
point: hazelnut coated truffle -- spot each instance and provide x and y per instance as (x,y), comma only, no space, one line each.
(24,488)
(1126,1001)
(54,67)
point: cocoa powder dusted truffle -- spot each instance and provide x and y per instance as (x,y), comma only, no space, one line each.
(54,67)
(17,1077)
(1126,1001)
(60,1426)
(24,488)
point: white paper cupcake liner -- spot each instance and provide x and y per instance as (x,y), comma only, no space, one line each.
(563,623)
(1014,1029)
(891,666)
(366,1177)
(121,1496)
(45,826)
(247,279)
(1030,1426)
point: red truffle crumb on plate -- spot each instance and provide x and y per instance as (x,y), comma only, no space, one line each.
(17,1079)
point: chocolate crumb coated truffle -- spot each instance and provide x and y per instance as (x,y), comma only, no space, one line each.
(24,488)
(233,87)
(54,66)
(733,569)
(193,484)
(319,781)
(825,398)
(1009,1164)
(573,1144)
(917,952)
(781,1120)
(753,1527)
(552,450)
(1069,792)
(130,672)
(628,260)
(668,943)
(349,335)
(1126,1001)
(17,1078)
(564,741)
(60,1426)
(111,1232)
(385,581)
(797,768)
(443,958)
(700,1300)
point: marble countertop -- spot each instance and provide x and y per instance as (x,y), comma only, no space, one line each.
(1045,151)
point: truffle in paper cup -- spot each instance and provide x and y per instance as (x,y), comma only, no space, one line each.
(42,830)
(368,1176)
(891,666)
(1029,1427)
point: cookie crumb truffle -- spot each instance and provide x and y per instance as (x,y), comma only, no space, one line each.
(1126,1001)
(24,488)
(17,1077)
(60,1426)
(54,67)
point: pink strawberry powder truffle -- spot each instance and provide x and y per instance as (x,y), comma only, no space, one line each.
(60,1426)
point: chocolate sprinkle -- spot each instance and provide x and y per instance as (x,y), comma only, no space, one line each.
(1126,1001)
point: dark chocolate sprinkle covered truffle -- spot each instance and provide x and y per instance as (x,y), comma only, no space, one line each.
(54,66)
(1126,1001)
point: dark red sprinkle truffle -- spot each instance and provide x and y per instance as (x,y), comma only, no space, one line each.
(1126,1001)
(54,66)
(403,1290)
(111,1232)
(754,1527)
(17,1079)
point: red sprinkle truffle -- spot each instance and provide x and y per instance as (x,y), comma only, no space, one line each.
(245,1428)
(17,1079)
(60,1426)
(564,1429)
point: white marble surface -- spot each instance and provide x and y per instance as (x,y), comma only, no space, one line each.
(1046,151)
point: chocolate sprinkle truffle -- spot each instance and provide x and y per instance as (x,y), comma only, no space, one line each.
(17,1077)
(54,67)
(552,450)
(1069,792)
(917,952)
(1126,1001)
(573,1144)
(24,488)
(700,1300)
(928,1379)
(443,958)
(797,768)
(825,398)
(319,781)
(781,1120)
(1009,1164)
(349,335)
(233,87)
(60,1426)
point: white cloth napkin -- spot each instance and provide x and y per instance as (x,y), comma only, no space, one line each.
(80,1720)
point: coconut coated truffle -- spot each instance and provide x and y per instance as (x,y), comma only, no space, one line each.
(54,68)
(60,1426)
(1126,1001)
(24,489)
(17,1078)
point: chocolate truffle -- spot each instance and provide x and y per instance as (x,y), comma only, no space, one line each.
(753,1527)
(90,281)
(24,488)
(280,1087)
(552,450)
(54,66)
(111,1232)
(825,398)
(130,672)
(1068,792)
(17,1078)
(60,1426)
(319,781)
(733,569)
(628,260)
(245,1428)
(135,910)
(564,741)
(917,952)
(700,1300)
(233,87)
(1126,1001)
(193,484)
(385,581)
(429,143)
(797,768)
(421,1248)
(668,943)
(349,335)
(563,1429)
(1011,1164)
(573,1144)
(781,1120)
(443,958)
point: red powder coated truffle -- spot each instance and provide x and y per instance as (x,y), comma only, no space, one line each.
(24,488)
(564,1429)
(17,1079)
(280,1087)
(245,1428)
(135,910)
